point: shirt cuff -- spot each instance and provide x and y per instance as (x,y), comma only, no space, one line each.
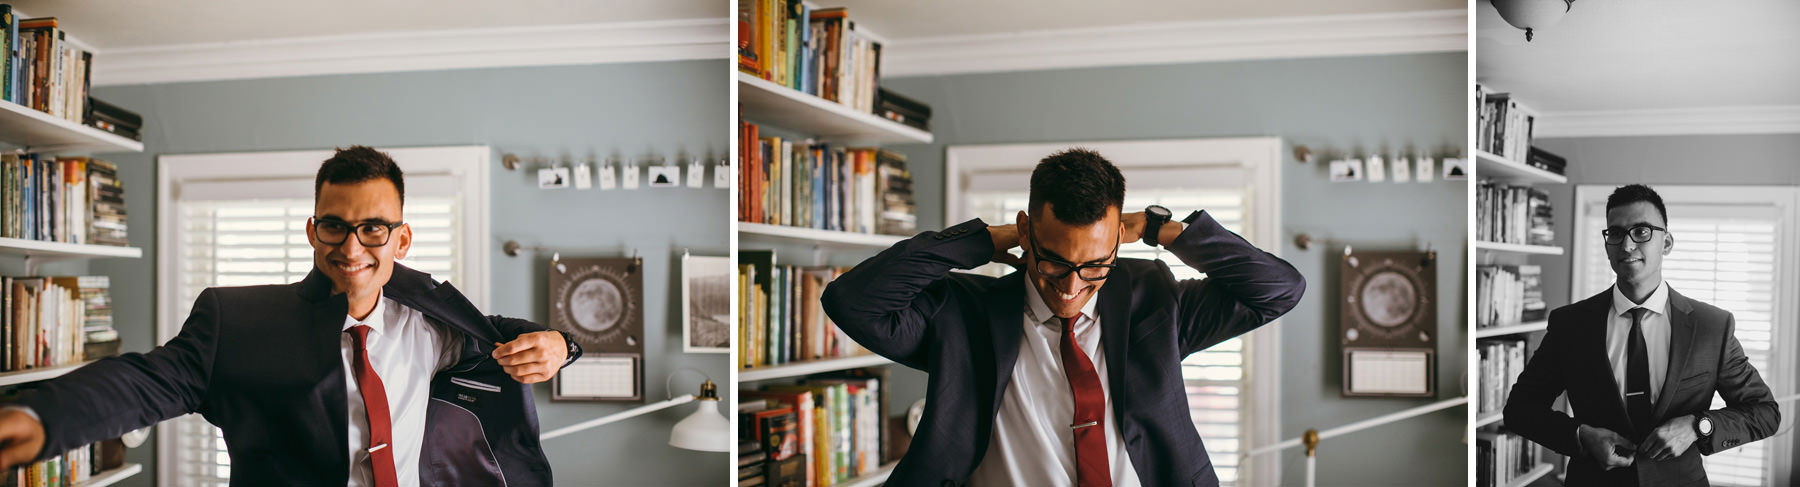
(24,409)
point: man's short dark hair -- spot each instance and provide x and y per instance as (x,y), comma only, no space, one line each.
(1078,184)
(1628,194)
(357,164)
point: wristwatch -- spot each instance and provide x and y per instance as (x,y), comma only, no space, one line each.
(1703,425)
(1154,218)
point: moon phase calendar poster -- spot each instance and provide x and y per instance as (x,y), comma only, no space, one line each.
(600,304)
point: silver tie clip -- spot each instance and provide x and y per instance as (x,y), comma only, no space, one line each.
(1084,425)
(1629,394)
(377,448)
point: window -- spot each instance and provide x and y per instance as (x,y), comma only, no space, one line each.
(1734,247)
(1228,178)
(240,220)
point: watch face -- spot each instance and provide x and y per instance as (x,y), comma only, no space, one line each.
(1706,426)
(1158,210)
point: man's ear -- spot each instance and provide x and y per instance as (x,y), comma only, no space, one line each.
(1668,242)
(1022,223)
(403,239)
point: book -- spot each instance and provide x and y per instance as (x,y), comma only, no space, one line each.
(818,185)
(43,322)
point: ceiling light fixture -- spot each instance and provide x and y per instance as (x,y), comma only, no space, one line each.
(1532,14)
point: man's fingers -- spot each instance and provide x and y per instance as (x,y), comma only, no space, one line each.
(523,357)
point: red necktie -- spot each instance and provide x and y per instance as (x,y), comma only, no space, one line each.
(1090,412)
(381,450)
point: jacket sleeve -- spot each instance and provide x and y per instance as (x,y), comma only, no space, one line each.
(1244,287)
(1530,408)
(115,395)
(886,303)
(511,328)
(1750,411)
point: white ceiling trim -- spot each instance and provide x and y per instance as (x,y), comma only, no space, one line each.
(1182,42)
(669,40)
(1679,121)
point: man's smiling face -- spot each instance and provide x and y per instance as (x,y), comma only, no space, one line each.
(353,267)
(1638,263)
(1047,238)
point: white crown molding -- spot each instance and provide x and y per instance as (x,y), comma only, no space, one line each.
(669,40)
(1677,121)
(1182,42)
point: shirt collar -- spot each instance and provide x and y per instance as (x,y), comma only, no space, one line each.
(1658,302)
(377,319)
(1040,311)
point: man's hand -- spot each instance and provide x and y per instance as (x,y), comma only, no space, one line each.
(533,357)
(1601,444)
(1134,229)
(1669,440)
(1005,238)
(21,438)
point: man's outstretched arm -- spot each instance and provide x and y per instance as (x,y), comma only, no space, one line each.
(1244,287)
(115,395)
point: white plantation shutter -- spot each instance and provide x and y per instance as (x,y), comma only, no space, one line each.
(1217,377)
(240,220)
(1729,254)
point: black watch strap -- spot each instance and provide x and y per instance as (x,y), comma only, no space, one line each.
(1154,218)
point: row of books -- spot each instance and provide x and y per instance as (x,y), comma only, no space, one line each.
(1513,214)
(820,52)
(823,431)
(1503,125)
(1502,457)
(1508,295)
(42,69)
(803,183)
(780,318)
(44,321)
(69,468)
(62,199)
(1501,362)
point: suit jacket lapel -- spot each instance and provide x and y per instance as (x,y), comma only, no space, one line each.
(326,327)
(1115,331)
(1006,311)
(1681,342)
(1598,316)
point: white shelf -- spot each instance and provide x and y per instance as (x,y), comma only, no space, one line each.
(878,477)
(809,367)
(110,477)
(62,250)
(1489,418)
(1512,329)
(1536,473)
(39,132)
(765,102)
(34,375)
(1518,248)
(1493,167)
(816,236)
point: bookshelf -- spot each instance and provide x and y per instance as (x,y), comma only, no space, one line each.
(873,479)
(111,477)
(33,375)
(765,102)
(830,238)
(64,250)
(809,367)
(1491,168)
(1521,328)
(37,131)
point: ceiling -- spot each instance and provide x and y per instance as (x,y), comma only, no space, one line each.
(911,20)
(137,23)
(1616,55)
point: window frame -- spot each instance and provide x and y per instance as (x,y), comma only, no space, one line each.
(1259,159)
(467,166)
(1786,201)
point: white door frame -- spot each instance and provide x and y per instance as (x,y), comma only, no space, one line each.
(1258,158)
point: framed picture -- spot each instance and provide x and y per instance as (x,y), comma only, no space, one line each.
(600,304)
(705,304)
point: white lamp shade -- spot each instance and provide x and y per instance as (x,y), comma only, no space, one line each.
(705,430)
(1531,14)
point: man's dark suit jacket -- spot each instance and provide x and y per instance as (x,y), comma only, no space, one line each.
(1704,356)
(964,330)
(263,363)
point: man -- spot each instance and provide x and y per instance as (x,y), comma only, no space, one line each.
(1640,363)
(1070,372)
(365,373)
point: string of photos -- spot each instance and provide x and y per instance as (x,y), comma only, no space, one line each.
(1403,166)
(623,174)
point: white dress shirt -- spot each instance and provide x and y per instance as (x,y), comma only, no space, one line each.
(405,350)
(1656,336)
(1032,443)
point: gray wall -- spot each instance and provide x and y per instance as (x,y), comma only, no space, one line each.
(1328,103)
(614,109)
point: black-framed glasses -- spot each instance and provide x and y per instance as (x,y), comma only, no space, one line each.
(1056,268)
(1639,233)
(333,231)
